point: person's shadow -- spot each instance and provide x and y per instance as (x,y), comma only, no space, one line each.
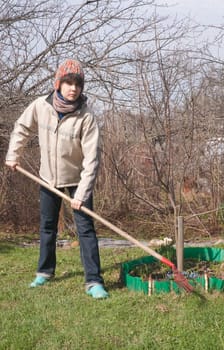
(111,285)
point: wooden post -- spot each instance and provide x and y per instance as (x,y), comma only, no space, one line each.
(180,243)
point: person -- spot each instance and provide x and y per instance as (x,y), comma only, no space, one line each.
(69,159)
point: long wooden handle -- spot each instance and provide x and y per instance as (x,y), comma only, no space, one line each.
(98,217)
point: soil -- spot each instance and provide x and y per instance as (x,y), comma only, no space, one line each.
(193,267)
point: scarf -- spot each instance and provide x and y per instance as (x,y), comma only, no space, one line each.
(64,106)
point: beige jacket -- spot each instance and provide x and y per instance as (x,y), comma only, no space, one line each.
(69,152)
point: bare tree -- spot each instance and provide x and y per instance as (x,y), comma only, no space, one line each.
(153,91)
(37,35)
(161,147)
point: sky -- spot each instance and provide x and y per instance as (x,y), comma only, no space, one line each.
(207,12)
(201,12)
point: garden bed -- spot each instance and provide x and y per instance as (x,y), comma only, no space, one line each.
(203,267)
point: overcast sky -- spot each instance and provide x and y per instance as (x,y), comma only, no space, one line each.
(201,11)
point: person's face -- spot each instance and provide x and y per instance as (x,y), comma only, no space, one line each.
(70,91)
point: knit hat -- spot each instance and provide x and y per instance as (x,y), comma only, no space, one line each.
(67,67)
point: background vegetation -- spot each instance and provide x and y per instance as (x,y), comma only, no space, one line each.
(156,86)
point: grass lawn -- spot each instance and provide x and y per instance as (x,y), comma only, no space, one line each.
(60,315)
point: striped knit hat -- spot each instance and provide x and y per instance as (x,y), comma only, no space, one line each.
(67,67)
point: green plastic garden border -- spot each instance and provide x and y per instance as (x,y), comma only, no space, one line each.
(137,284)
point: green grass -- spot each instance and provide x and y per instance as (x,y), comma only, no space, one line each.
(60,315)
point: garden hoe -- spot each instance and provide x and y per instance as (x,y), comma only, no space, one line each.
(179,278)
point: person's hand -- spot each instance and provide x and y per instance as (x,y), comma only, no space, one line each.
(11,164)
(76,204)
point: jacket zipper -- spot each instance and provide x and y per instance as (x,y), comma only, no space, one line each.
(60,121)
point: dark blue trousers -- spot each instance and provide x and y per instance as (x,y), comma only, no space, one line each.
(50,205)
